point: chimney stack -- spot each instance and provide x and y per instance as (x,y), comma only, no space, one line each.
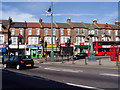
(117,23)
(69,20)
(40,20)
(94,21)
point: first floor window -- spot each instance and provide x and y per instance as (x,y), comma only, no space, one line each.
(46,31)
(63,39)
(37,31)
(29,31)
(20,31)
(82,31)
(116,32)
(104,31)
(117,39)
(32,40)
(68,31)
(1,39)
(48,40)
(12,31)
(61,31)
(14,40)
(0,27)
(77,30)
(79,40)
(53,31)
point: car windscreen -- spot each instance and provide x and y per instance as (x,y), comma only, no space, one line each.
(26,58)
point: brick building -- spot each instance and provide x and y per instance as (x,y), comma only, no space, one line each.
(33,32)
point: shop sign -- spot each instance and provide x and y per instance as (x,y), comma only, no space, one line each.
(2,46)
(49,45)
(30,46)
(2,49)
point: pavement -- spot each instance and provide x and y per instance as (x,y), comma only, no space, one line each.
(101,61)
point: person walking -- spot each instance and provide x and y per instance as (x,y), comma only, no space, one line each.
(2,60)
(37,55)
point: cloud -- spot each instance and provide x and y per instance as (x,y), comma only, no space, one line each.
(17,15)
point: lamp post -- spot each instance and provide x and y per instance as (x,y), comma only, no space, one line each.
(91,33)
(51,11)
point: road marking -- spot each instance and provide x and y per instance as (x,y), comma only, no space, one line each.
(76,71)
(83,86)
(65,70)
(115,68)
(109,74)
(37,61)
(52,69)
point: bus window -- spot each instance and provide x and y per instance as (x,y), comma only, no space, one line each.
(100,49)
(99,43)
(94,44)
(106,49)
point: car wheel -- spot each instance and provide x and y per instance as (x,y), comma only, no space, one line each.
(18,67)
(4,66)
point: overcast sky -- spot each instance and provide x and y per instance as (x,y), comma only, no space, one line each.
(104,12)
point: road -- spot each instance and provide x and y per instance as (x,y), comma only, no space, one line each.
(60,76)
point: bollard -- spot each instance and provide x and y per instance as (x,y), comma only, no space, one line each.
(100,61)
(62,58)
(73,60)
(116,61)
(85,61)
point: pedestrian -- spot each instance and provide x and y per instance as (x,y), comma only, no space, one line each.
(2,60)
(37,55)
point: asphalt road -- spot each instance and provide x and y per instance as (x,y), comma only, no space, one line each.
(61,76)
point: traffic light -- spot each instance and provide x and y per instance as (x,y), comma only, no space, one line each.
(20,38)
(57,43)
(9,41)
(68,42)
(9,37)
(45,44)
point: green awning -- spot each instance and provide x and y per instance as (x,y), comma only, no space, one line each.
(82,47)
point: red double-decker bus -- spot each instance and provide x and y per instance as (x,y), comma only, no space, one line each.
(103,47)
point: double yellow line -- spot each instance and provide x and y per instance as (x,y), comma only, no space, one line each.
(37,61)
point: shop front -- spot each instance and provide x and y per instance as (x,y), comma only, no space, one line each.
(3,51)
(82,48)
(64,50)
(48,49)
(35,51)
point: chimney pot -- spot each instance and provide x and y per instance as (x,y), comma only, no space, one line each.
(94,21)
(69,20)
(40,20)
(117,23)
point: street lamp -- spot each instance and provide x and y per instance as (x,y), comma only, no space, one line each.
(91,33)
(51,10)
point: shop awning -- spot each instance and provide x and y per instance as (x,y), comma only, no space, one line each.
(2,49)
(82,47)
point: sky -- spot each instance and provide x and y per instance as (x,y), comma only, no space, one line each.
(104,12)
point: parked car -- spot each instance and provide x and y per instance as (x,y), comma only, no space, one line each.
(80,56)
(19,62)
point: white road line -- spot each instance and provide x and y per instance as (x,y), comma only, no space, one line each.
(76,71)
(52,69)
(82,86)
(65,70)
(109,74)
